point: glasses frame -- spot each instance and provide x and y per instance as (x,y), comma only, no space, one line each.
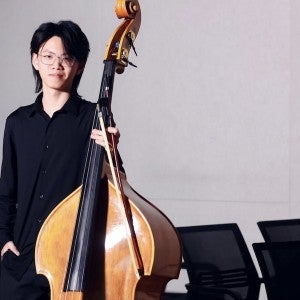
(62,59)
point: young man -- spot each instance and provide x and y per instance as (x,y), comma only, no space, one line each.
(43,154)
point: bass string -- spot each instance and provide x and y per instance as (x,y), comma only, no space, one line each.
(90,165)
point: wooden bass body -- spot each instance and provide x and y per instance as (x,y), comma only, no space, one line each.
(112,273)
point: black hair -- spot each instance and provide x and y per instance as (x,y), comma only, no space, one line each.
(74,40)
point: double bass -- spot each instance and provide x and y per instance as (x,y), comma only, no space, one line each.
(106,241)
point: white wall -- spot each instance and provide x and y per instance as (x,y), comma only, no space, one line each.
(209,119)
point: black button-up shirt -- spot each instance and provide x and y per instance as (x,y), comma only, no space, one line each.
(43,160)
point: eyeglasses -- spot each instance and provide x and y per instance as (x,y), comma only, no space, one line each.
(50,59)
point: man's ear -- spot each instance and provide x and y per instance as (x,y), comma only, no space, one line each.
(34,61)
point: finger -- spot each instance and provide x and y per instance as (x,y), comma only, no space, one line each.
(113,130)
(10,246)
(15,250)
(96,132)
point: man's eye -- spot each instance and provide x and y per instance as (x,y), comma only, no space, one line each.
(48,56)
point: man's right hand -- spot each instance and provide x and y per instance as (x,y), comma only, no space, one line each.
(9,246)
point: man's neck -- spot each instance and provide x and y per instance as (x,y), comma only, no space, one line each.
(54,101)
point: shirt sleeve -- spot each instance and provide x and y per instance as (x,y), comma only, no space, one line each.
(8,186)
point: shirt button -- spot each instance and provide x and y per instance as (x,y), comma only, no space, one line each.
(41,196)
(47,147)
(39,220)
(44,172)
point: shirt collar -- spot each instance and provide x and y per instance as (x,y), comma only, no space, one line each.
(71,106)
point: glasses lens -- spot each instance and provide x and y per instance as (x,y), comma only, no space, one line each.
(67,61)
(47,59)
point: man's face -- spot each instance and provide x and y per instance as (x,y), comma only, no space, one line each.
(56,68)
